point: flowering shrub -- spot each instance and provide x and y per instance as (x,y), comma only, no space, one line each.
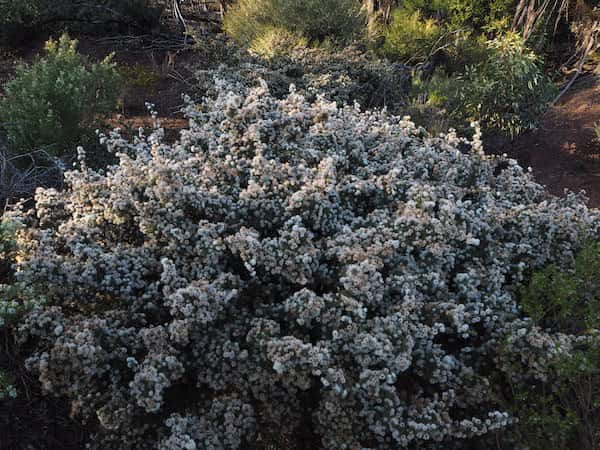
(290,269)
(56,102)
(346,76)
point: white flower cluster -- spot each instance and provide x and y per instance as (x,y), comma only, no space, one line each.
(290,266)
(346,76)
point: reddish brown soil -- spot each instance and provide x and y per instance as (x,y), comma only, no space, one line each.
(564,152)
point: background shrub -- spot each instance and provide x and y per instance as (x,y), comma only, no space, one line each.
(14,14)
(410,38)
(501,85)
(25,17)
(293,269)
(249,21)
(57,102)
(508,91)
(16,11)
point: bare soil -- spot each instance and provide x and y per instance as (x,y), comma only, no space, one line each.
(564,152)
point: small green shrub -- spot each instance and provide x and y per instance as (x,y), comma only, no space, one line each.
(563,410)
(498,83)
(140,76)
(474,15)
(59,100)
(277,42)
(250,21)
(467,49)
(508,91)
(567,301)
(481,14)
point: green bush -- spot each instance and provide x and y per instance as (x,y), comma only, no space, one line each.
(563,411)
(476,15)
(567,301)
(419,28)
(249,21)
(277,42)
(507,91)
(58,101)
(481,14)
(499,83)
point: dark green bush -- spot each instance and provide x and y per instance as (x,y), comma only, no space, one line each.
(567,301)
(563,411)
(16,11)
(58,101)
(20,16)
(508,91)
(505,91)
(314,20)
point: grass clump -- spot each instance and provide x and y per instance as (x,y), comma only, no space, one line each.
(253,22)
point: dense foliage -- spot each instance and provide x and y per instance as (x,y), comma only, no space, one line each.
(508,90)
(492,76)
(292,268)
(411,38)
(564,410)
(34,16)
(505,90)
(57,102)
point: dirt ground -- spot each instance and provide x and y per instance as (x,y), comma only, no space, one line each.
(564,152)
